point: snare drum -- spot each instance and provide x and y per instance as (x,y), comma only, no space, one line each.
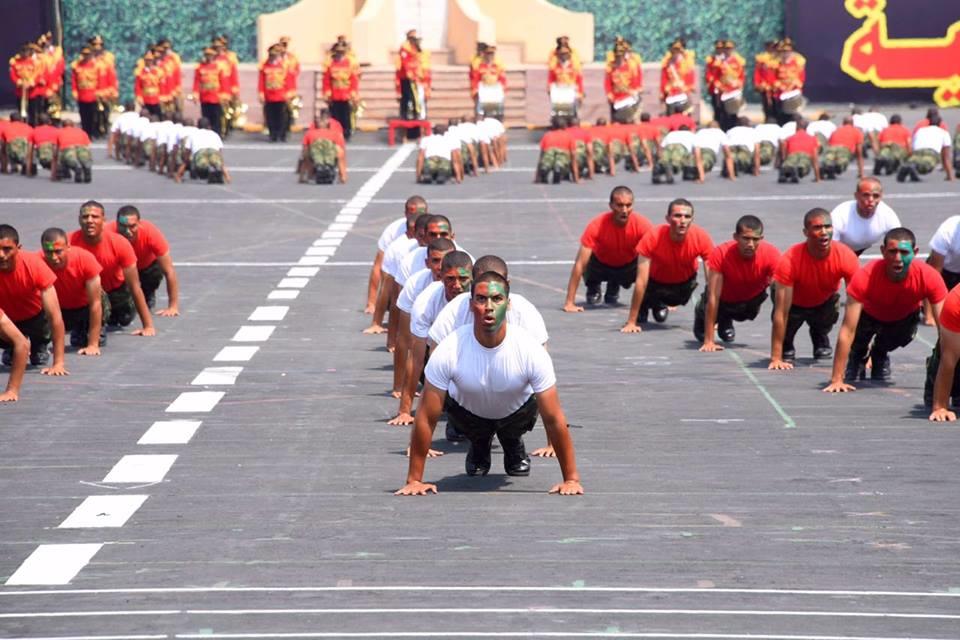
(677,103)
(732,102)
(624,110)
(791,102)
(490,100)
(563,99)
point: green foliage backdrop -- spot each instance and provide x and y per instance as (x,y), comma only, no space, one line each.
(128,26)
(651,25)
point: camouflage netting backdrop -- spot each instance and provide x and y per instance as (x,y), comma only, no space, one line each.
(650,24)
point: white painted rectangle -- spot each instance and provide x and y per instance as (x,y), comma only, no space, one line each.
(141,468)
(103,511)
(269,314)
(353,208)
(195,402)
(321,251)
(340,226)
(327,242)
(217,376)
(283,294)
(344,217)
(334,234)
(302,272)
(293,283)
(314,260)
(53,564)
(253,333)
(236,354)
(170,432)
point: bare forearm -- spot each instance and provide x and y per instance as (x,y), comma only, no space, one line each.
(558,434)
(96,321)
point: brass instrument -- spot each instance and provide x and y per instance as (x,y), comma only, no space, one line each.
(294,105)
(24,99)
(55,106)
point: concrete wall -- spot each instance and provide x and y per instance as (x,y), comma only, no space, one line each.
(536,24)
(312,25)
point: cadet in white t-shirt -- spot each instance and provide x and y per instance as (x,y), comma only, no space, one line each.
(437,159)
(494,130)
(931,145)
(496,378)
(453,278)
(116,144)
(204,147)
(822,128)
(710,140)
(678,151)
(414,206)
(742,151)
(945,251)
(769,137)
(862,222)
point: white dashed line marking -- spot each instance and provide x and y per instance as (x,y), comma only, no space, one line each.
(53,564)
(302,272)
(236,354)
(103,511)
(141,468)
(293,283)
(170,432)
(214,376)
(195,402)
(283,294)
(268,314)
(253,333)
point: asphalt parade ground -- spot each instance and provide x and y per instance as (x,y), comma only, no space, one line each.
(233,476)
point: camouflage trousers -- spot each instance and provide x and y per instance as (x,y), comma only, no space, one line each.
(45,154)
(674,156)
(707,157)
(556,160)
(17,150)
(801,161)
(635,145)
(437,168)
(149,146)
(76,158)
(619,151)
(742,159)
(925,160)
(822,139)
(892,152)
(206,159)
(323,153)
(600,160)
(836,156)
(767,152)
(580,154)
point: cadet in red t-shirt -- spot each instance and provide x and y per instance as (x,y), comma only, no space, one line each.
(78,288)
(153,257)
(808,279)
(608,252)
(17,138)
(557,149)
(582,148)
(845,144)
(29,299)
(324,150)
(20,347)
(72,154)
(119,277)
(882,312)
(896,143)
(799,154)
(738,274)
(44,141)
(945,359)
(667,265)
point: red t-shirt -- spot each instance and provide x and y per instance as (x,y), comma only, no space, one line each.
(674,262)
(677,120)
(889,301)
(814,280)
(646,131)
(20,289)
(72,137)
(71,284)
(847,136)
(802,142)
(14,130)
(950,313)
(579,134)
(333,136)
(114,254)
(897,134)
(149,244)
(620,132)
(926,123)
(661,123)
(743,279)
(612,245)
(556,139)
(44,134)
(601,133)
(334,126)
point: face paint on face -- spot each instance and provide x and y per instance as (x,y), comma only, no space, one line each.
(906,254)
(438,230)
(456,280)
(55,253)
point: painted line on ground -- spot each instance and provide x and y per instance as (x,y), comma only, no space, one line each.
(170,432)
(268,314)
(140,468)
(788,422)
(236,354)
(303,272)
(283,294)
(195,402)
(53,564)
(103,511)
(253,333)
(214,376)
(293,283)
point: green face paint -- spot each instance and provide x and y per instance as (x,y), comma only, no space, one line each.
(500,308)
(907,257)
(49,247)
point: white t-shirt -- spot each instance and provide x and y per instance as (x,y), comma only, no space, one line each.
(932,138)
(394,230)
(769,132)
(870,122)
(413,262)
(395,253)
(437,146)
(742,137)
(521,313)
(413,288)
(471,132)
(149,131)
(946,242)
(789,129)
(684,138)
(492,127)
(860,233)
(710,138)
(426,308)
(184,133)
(823,127)
(133,126)
(123,120)
(204,139)
(491,383)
